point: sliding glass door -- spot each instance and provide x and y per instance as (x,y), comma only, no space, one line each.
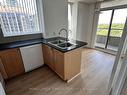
(110,28)
(118,21)
(103,27)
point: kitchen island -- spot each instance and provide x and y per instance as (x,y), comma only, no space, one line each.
(63,57)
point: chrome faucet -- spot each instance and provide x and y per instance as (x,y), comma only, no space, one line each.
(63,29)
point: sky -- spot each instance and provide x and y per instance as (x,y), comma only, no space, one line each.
(120,16)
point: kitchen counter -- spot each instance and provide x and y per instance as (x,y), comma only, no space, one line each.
(18,44)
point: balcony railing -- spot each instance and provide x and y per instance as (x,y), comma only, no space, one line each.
(113,39)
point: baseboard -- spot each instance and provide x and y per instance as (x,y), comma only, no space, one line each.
(107,51)
(73,78)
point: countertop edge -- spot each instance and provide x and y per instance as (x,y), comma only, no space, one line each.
(19,44)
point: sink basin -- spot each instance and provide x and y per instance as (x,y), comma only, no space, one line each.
(56,42)
(65,45)
(61,44)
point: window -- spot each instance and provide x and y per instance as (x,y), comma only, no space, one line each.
(118,22)
(18,17)
(110,28)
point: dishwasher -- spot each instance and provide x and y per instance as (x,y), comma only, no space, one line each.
(32,57)
(2,86)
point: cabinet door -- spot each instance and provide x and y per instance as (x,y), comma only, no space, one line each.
(48,56)
(12,62)
(59,63)
(72,63)
(32,57)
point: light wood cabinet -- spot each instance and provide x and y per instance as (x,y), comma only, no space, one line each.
(72,63)
(48,56)
(66,65)
(12,62)
(59,63)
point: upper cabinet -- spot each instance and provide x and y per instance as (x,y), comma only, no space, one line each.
(11,63)
(32,57)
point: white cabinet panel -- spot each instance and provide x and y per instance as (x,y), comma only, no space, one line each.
(2,81)
(2,92)
(32,56)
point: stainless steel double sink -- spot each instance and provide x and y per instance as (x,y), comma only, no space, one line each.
(63,44)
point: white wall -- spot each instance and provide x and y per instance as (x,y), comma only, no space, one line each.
(113,3)
(55,16)
(87,23)
(74,18)
(82,22)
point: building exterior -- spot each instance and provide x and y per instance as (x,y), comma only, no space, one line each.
(17,19)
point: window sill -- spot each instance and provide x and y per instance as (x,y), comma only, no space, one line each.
(20,34)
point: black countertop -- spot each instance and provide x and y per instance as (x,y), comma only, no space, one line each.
(18,44)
